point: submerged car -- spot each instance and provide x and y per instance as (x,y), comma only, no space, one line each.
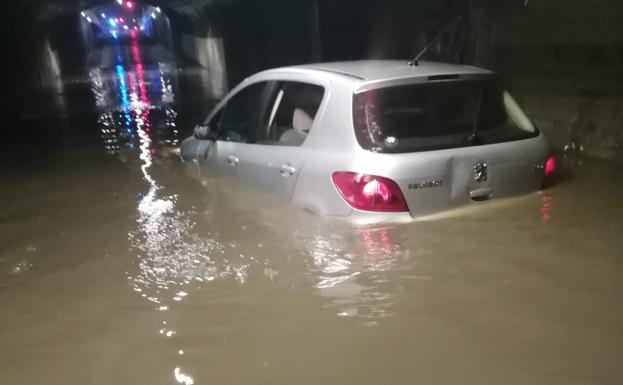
(382,140)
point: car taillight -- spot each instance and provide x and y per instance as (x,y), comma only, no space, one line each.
(550,166)
(549,169)
(369,192)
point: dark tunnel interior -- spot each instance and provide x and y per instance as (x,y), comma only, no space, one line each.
(51,46)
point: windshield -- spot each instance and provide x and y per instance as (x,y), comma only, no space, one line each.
(438,115)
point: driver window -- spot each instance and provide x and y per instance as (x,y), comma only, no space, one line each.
(237,119)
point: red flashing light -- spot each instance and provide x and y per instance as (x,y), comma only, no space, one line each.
(369,192)
(129,5)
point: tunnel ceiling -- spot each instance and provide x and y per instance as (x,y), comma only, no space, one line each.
(45,10)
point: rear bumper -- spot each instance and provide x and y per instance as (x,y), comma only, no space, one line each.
(360,218)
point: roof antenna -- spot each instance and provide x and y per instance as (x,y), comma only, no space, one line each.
(448,27)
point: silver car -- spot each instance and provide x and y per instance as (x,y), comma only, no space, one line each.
(374,140)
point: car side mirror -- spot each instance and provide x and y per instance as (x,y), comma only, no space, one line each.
(201,131)
(204,132)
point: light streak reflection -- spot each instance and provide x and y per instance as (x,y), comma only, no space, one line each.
(546,208)
(133,98)
(137,118)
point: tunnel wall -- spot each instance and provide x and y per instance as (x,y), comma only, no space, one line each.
(564,61)
(70,37)
(391,29)
(30,65)
(210,54)
(271,33)
(263,34)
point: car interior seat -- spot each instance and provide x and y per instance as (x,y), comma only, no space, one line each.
(301,124)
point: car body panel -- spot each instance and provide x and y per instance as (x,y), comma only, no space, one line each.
(274,168)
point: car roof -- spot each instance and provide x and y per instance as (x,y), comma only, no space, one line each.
(374,70)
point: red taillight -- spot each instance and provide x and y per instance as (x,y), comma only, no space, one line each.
(550,166)
(370,192)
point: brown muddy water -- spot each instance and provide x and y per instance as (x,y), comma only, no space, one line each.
(116,267)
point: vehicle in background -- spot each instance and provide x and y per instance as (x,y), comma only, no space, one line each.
(374,140)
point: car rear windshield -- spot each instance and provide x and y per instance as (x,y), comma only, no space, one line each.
(438,115)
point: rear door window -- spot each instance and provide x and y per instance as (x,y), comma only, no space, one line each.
(438,115)
(291,113)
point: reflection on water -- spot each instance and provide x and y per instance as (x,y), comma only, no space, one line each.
(350,270)
(168,252)
(134,95)
(546,207)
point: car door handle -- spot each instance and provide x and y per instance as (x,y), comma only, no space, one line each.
(481,194)
(286,170)
(232,160)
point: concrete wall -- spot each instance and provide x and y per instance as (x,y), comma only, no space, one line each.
(49,70)
(210,54)
(564,61)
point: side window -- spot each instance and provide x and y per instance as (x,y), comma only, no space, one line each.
(291,114)
(215,122)
(237,119)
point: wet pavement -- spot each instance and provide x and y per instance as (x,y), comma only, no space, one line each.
(117,267)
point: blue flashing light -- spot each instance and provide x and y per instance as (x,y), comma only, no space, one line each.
(112,22)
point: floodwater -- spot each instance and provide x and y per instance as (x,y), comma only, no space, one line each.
(117,267)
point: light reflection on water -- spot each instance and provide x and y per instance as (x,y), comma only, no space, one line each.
(168,253)
(350,270)
(126,96)
(546,207)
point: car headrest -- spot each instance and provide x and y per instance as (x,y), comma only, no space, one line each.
(301,121)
